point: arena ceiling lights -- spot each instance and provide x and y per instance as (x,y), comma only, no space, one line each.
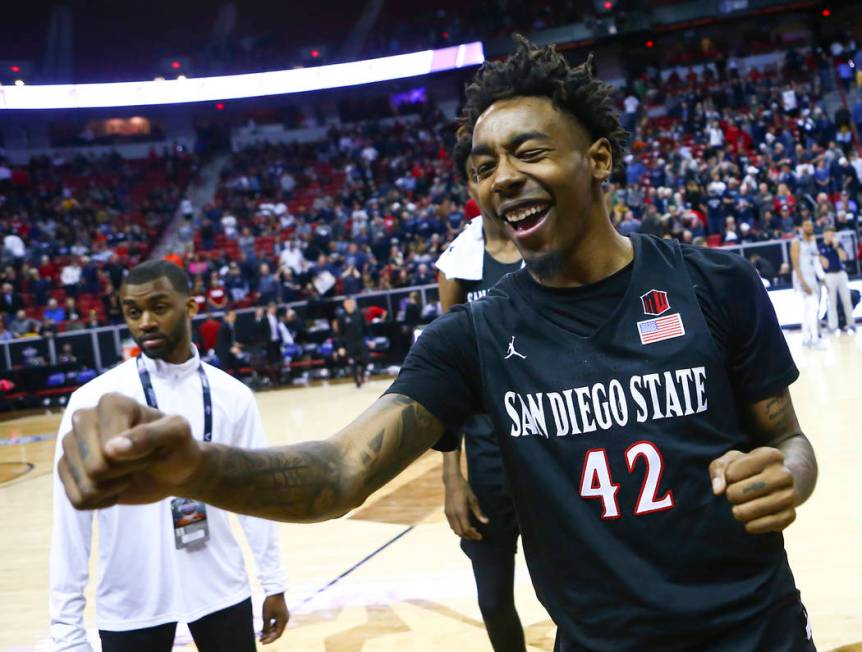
(280,82)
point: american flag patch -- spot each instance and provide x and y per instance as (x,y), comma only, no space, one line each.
(661,328)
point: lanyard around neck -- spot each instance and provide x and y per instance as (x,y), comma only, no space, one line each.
(150,395)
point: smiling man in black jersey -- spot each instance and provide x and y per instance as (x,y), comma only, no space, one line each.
(638,389)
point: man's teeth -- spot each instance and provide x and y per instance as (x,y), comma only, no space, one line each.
(523,213)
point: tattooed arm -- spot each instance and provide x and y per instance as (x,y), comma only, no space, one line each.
(767,484)
(314,481)
(123,452)
(772,422)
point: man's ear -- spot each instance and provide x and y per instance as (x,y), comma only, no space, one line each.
(191,307)
(601,159)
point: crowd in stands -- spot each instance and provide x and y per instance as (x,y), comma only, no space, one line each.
(737,155)
(719,155)
(369,208)
(733,155)
(70,231)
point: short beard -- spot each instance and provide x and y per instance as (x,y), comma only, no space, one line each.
(544,266)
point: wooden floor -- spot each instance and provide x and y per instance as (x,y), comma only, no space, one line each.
(391,576)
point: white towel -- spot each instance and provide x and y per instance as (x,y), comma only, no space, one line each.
(464,257)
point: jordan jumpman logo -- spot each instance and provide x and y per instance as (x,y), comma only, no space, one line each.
(512,351)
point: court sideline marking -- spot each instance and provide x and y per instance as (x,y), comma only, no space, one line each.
(355,566)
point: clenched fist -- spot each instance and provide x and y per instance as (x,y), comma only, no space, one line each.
(124,452)
(759,486)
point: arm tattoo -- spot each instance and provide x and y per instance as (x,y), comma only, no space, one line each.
(395,445)
(296,483)
(317,480)
(773,422)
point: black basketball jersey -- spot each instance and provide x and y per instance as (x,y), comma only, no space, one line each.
(607,441)
(492,271)
(484,463)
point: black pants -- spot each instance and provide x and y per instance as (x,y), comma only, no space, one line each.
(493,560)
(357,355)
(228,630)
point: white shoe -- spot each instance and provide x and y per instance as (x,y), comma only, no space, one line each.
(836,332)
(819,344)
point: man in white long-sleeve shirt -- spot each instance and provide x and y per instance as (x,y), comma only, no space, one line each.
(162,563)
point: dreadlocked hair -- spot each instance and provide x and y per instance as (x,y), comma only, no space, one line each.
(544,72)
(461,151)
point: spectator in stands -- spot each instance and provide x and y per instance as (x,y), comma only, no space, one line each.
(38,287)
(227,349)
(217,297)
(730,235)
(10,299)
(290,290)
(294,324)
(5,333)
(74,322)
(236,286)
(14,246)
(89,276)
(267,285)
(187,209)
(284,333)
(228,225)
(629,224)
(424,275)
(197,266)
(291,258)
(23,326)
(70,277)
(351,280)
(246,242)
(67,354)
(413,310)
(116,270)
(269,335)
(199,294)
(54,312)
(351,330)
(93,320)
(209,331)
(70,306)
(112,306)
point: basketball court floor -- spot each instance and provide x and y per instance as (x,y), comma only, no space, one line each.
(390,576)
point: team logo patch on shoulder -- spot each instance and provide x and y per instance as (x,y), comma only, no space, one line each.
(655,302)
(661,328)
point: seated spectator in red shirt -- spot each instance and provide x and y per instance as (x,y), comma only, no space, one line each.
(209,333)
(216,295)
(199,294)
(374,314)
